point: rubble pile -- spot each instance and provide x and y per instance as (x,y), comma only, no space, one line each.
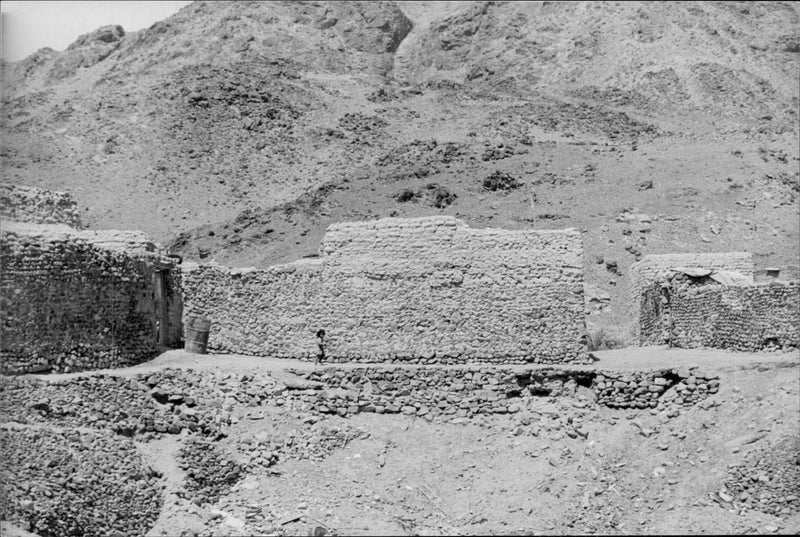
(76,483)
(314,442)
(209,474)
(768,480)
(169,401)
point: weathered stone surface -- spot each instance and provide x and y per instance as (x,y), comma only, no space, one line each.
(425,289)
(649,273)
(74,300)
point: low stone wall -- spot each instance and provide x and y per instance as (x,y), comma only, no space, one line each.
(28,204)
(682,386)
(651,269)
(466,392)
(172,401)
(749,318)
(426,290)
(76,300)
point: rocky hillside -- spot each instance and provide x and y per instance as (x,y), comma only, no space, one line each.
(238,131)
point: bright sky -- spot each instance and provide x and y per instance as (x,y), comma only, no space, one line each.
(30,25)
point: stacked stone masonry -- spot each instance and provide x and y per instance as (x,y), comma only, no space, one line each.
(466,392)
(651,270)
(426,290)
(28,204)
(693,312)
(172,401)
(74,300)
(749,318)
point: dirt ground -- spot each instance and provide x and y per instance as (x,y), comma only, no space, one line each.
(636,358)
(506,475)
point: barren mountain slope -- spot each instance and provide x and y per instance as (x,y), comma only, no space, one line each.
(239,131)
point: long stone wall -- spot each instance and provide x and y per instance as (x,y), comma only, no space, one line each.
(29,204)
(425,290)
(74,300)
(172,401)
(749,318)
(654,269)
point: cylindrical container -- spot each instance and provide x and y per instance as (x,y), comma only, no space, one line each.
(197,335)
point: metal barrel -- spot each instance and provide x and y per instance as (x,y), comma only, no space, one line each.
(196,340)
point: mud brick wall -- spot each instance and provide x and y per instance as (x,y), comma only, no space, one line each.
(749,318)
(27,204)
(655,268)
(425,290)
(75,300)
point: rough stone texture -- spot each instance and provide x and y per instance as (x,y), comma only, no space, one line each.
(426,290)
(768,480)
(75,300)
(466,392)
(654,311)
(653,319)
(168,402)
(173,401)
(651,269)
(76,483)
(750,318)
(29,204)
(209,474)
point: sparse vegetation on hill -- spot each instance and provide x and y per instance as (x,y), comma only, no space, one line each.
(233,116)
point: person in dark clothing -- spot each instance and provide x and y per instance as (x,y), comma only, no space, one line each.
(321,346)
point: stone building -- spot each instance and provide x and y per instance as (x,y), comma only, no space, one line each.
(710,300)
(74,299)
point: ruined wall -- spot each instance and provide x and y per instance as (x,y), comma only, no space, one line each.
(749,318)
(28,204)
(426,290)
(652,268)
(76,300)
(653,316)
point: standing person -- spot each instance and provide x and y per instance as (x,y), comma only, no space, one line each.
(321,346)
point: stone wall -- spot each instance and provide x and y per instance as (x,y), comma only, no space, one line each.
(172,401)
(653,322)
(425,290)
(749,318)
(467,392)
(653,268)
(74,300)
(28,204)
